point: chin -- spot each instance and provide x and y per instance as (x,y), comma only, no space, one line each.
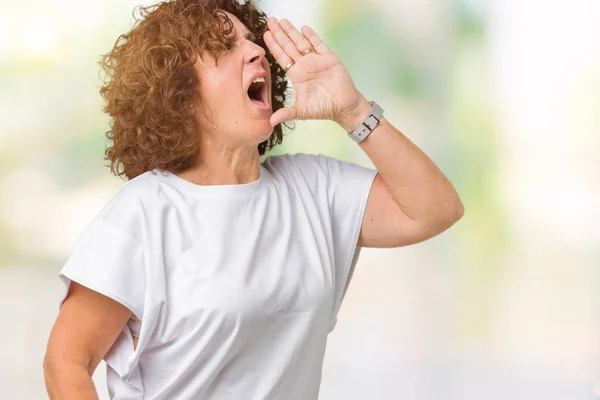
(263,131)
(258,132)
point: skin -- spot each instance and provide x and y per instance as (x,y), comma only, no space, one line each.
(410,201)
(230,135)
(86,327)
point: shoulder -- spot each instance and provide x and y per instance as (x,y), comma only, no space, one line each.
(128,206)
(132,192)
(297,163)
(316,165)
(138,189)
(306,173)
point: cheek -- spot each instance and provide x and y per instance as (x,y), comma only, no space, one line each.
(223,91)
(220,95)
(226,89)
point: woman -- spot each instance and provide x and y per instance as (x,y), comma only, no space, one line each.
(210,275)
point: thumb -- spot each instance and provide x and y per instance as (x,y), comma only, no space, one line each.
(283,115)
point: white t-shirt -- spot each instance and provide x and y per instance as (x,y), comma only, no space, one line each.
(233,288)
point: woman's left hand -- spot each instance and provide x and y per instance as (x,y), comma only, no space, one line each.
(323,88)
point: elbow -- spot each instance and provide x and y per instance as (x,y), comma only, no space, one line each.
(459,210)
(66,379)
(46,365)
(454,211)
(49,376)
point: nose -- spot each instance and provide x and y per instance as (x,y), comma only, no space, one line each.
(254,55)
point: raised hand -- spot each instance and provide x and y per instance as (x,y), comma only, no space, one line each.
(323,88)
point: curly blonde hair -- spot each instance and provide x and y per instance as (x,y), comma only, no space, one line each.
(150,84)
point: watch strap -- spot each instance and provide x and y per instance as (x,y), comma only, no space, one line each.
(369,123)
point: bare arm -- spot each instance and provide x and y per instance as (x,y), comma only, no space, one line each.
(86,327)
(411,200)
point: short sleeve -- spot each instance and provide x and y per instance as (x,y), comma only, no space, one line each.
(348,188)
(109,259)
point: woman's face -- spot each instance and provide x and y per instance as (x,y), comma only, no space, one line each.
(235,117)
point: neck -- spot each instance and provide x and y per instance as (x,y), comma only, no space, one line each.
(220,165)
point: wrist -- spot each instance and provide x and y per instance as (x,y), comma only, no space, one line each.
(353,117)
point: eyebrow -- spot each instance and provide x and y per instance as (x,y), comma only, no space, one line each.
(250,36)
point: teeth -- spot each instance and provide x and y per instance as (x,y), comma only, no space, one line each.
(260,79)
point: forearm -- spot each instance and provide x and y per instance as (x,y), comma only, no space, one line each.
(69,382)
(417,185)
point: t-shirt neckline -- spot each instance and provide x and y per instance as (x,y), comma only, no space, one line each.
(233,190)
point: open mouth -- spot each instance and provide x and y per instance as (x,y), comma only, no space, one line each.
(257,92)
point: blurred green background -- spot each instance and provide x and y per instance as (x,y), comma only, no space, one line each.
(503,95)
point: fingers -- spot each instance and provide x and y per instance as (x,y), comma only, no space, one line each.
(283,39)
(280,56)
(283,115)
(315,40)
(300,41)
(288,45)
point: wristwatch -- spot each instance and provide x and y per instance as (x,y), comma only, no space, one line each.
(370,123)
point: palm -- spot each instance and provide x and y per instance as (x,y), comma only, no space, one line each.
(322,86)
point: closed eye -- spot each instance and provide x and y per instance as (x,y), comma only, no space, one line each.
(250,36)
(231,41)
